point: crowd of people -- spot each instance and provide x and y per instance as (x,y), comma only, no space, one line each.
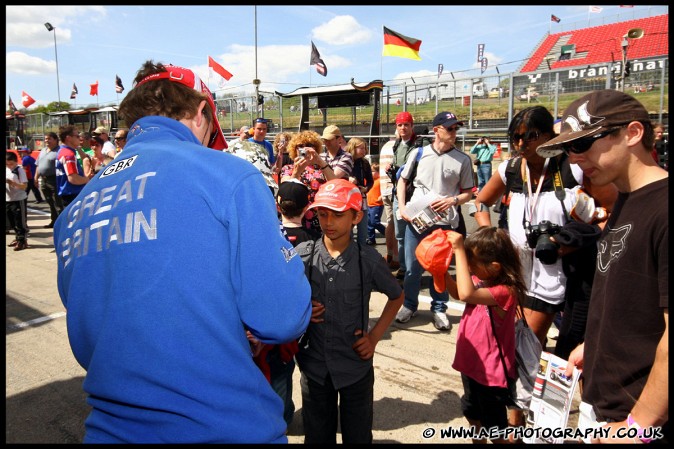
(280,271)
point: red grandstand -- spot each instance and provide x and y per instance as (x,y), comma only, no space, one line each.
(601,44)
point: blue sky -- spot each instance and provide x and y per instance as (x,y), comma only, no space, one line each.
(95,43)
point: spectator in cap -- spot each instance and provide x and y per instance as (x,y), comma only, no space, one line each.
(165,349)
(447,172)
(28,164)
(625,357)
(340,161)
(108,147)
(293,202)
(400,150)
(336,352)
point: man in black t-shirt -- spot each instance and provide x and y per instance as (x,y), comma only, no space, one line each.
(625,356)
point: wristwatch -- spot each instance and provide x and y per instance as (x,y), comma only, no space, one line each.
(456,200)
(632,424)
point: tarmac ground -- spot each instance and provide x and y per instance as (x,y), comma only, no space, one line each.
(417,392)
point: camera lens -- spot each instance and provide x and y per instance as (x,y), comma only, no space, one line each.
(546,250)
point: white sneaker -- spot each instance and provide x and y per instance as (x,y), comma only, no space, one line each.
(404,315)
(440,321)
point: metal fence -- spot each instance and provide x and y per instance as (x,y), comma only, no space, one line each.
(486,104)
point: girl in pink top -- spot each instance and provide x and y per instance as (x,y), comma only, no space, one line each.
(495,287)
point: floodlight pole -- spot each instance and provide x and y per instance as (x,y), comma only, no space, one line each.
(625,43)
(259,109)
(50,28)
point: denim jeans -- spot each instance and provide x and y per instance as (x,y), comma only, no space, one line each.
(399,226)
(374,221)
(483,174)
(281,375)
(414,271)
(320,404)
(361,227)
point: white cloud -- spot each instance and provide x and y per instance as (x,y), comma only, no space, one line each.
(342,30)
(23,64)
(25,24)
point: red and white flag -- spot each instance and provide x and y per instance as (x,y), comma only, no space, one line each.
(554,18)
(26,99)
(596,9)
(316,60)
(119,87)
(94,89)
(217,68)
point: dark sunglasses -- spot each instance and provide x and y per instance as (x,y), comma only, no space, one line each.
(583,144)
(528,136)
(120,138)
(451,129)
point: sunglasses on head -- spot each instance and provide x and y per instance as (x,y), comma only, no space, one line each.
(583,144)
(528,136)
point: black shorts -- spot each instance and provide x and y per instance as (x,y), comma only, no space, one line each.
(485,404)
(533,303)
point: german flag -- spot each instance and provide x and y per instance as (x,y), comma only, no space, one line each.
(396,44)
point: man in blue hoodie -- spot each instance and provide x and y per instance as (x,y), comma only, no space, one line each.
(165,260)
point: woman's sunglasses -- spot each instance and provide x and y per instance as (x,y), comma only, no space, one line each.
(528,136)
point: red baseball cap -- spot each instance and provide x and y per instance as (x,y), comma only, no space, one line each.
(404,117)
(339,195)
(434,253)
(190,79)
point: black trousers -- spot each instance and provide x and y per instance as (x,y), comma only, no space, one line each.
(50,192)
(16,214)
(33,188)
(320,411)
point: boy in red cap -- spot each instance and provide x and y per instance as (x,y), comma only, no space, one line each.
(336,351)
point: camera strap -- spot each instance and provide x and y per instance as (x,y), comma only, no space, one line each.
(534,197)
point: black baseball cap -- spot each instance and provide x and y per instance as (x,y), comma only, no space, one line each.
(294,191)
(446,119)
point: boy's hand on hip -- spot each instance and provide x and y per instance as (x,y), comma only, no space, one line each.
(363,346)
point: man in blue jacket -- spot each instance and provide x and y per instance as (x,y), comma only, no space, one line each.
(165,260)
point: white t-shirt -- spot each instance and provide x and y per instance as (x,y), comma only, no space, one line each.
(109,149)
(546,282)
(445,174)
(385,158)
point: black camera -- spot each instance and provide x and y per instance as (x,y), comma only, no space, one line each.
(391,172)
(538,238)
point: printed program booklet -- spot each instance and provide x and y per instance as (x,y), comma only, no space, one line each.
(423,215)
(551,399)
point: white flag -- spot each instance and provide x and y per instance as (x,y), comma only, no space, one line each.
(596,9)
